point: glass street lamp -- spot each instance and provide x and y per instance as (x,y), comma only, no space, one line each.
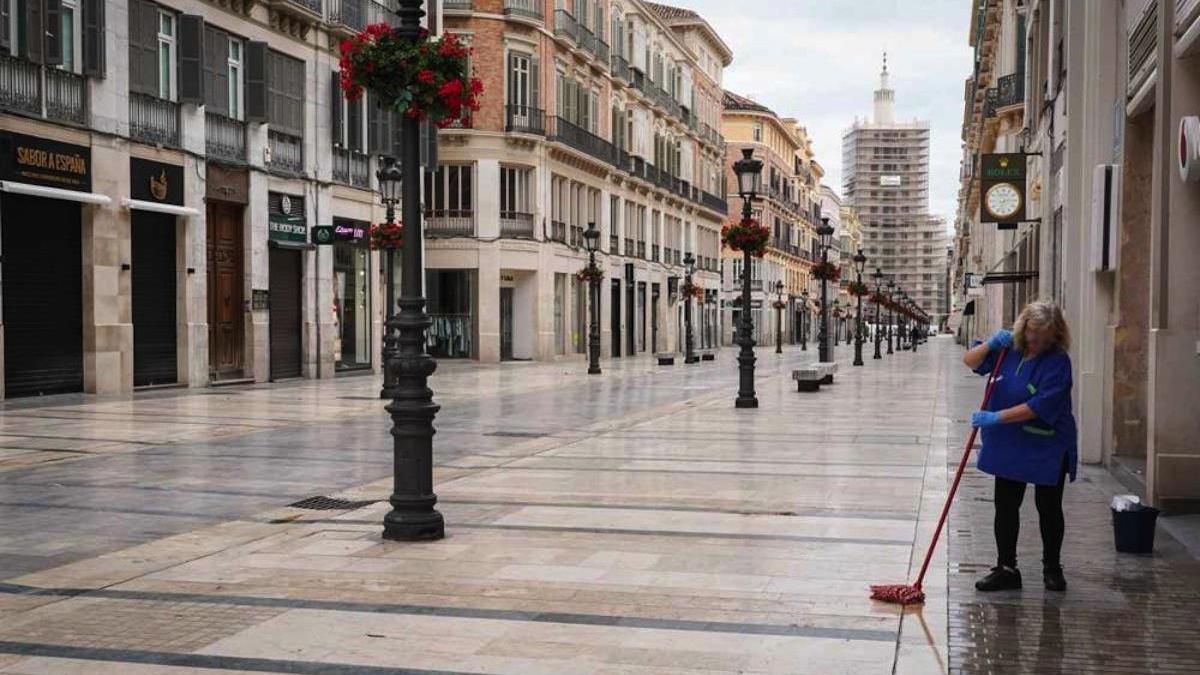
(689,266)
(749,180)
(837,321)
(891,285)
(804,320)
(779,318)
(878,277)
(825,232)
(412,409)
(860,264)
(591,241)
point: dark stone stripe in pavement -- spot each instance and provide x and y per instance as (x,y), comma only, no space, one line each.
(808,513)
(677,533)
(174,659)
(681,471)
(706,460)
(788,630)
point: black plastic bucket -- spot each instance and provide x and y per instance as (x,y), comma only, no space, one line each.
(1133,531)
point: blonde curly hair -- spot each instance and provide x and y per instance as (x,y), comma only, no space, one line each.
(1042,315)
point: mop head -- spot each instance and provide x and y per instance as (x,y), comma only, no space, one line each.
(901,594)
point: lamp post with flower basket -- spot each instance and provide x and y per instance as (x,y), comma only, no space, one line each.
(877,298)
(891,302)
(750,237)
(825,271)
(420,79)
(688,292)
(804,308)
(593,275)
(858,289)
(779,305)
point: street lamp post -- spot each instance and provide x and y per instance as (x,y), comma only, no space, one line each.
(825,232)
(804,299)
(891,284)
(749,177)
(413,516)
(860,263)
(878,276)
(689,356)
(390,179)
(837,322)
(779,318)
(591,240)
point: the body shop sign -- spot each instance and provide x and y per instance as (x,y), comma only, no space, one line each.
(41,161)
(286,220)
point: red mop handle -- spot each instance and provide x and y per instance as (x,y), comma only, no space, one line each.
(962,464)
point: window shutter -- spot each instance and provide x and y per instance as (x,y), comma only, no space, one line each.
(256,81)
(147,30)
(52,38)
(428,138)
(33,27)
(5,35)
(93,37)
(397,134)
(135,50)
(535,82)
(191,59)
(216,71)
(335,107)
(354,125)
(511,73)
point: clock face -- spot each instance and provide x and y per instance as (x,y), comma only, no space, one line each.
(1003,200)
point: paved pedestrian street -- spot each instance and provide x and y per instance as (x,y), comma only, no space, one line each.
(632,522)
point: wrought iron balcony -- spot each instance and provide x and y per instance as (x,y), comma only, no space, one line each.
(529,9)
(602,51)
(286,152)
(153,120)
(516,224)
(713,202)
(352,168)
(524,119)
(458,5)
(558,231)
(1010,91)
(224,138)
(620,67)
(66,96)
(654,252)
(565,25)
(20,85)
(576,235)
(449,223)
(614,244)
(585,38)
(44,92)
(564,132)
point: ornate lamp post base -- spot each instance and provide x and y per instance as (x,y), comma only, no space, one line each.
(414,522)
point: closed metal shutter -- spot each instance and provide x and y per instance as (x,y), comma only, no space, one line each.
(42,296)
(284,313)
(154,281)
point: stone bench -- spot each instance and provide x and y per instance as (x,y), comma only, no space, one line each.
(665,359)
(828,370)
(808,378)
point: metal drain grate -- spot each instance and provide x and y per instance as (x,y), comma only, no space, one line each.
(516,434)
(323,503)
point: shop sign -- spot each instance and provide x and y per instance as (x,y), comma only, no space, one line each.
(350,230)
(227,185)
(285,221)
(1002,189)
(323,235)
(41,161)
(155,182)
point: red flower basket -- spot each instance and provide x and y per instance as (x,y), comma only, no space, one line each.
(383,236)
(692,290)
(418,78)
(779,304)
(857,289)
(826,271)
(746,235)
(587,273)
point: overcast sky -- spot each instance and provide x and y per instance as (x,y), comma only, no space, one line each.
(819,61)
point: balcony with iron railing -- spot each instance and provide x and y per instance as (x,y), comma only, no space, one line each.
(153,120)
(654,252)
(224,138)
(562,131)
(524,119)
(449,223)
(614,244)
(558,231)
(585,38)
(352,168)
(619,66)
(641,250)
(629,247)
(1010,91)
(66,96)
(565,25)
(515,224)
(602,51)
(576,238)
(525,9)
(286,152)
(458,5)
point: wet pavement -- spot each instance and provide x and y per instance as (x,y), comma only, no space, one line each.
(633,522)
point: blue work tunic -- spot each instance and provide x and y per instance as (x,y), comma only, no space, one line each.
(1033,451)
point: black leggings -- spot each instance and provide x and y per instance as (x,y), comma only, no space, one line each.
(1009,495)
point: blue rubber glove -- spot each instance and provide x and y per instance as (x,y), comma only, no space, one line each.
(1003,339)
(985,418)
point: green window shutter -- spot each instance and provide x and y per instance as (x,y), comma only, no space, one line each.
(34,28)
(147,30)
(5,27)
(52,37)
(191,59)
(335,107)
(256,81)
(216,71)
(93,37)
(354,126)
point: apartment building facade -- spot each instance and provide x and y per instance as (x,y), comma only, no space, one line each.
(182,151)
(594,112)
(790,208)
(1101,97)
(886,180)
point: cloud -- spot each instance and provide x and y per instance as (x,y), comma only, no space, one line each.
(819,62)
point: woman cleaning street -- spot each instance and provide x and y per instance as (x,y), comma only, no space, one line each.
(1029,436)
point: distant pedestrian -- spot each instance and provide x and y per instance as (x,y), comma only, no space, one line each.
(1029,436)
(915,335)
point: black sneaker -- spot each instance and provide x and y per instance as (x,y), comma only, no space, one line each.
(1053,578)
(1000,579)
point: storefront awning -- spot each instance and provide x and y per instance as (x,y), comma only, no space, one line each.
(173,209)
(1009,277)
(53,193)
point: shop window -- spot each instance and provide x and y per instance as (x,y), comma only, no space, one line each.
(351,299)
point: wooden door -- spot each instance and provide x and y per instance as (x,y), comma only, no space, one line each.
(226,306)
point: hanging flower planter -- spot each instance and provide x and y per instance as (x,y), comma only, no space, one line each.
(858,289)
(779,304)
(692,290)
(826,271)
(879,299)
(383,236)
(587,273)
(746,235)
(423,79)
